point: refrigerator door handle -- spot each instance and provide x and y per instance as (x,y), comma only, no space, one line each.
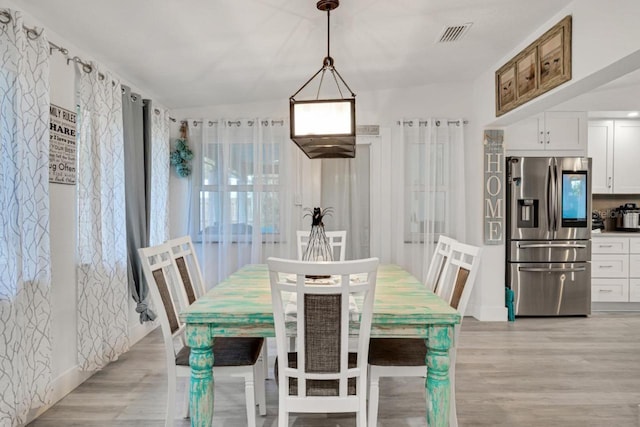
(552,245)
(556,192)
(549,203)
(552,270)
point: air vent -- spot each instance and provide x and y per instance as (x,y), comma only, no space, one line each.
(453,33)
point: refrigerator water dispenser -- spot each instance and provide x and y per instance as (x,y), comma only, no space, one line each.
(527,213)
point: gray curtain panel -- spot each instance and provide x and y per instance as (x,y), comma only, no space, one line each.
(137,163)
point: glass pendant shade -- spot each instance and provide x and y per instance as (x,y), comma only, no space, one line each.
(325,128)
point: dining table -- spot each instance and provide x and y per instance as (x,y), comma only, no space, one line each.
(240,306)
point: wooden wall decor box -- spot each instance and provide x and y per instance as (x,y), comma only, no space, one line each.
(538,68)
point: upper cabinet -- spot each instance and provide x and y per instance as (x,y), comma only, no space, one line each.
(600,141)
(553,133)
(626,157)
(614,146)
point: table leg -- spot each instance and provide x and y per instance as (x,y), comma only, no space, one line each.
(201,361)
(438,385)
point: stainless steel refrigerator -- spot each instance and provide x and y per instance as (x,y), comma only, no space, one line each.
(548,224)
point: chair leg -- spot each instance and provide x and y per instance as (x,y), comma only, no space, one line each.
(171,400)
(453,415)
(283,414)
(249,393)
(265,359)
(258,372)
(374,394)
(185,401)
(361,415)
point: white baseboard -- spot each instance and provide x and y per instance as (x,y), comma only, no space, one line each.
(138,331)
(69,380)
(488,314)
(615,306)
(64,384)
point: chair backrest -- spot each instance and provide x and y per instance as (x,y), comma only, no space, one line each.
(459,275)
(337,242)
(331,308)
(161,274)
(186,260)
(439,259)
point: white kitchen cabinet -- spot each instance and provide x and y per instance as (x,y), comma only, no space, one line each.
(626,153)
(609,290)
(614,146)
(610,266)
(550,133)
(600,141)
(634,290)
(615,269)
(634,269)
(610,245)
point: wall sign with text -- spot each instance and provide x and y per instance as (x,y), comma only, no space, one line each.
(62,146)
(493,187)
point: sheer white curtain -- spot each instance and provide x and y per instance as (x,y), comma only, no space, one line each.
(243,192)
(25,269)
(433,177)
(345,188)
(102,248)
(160,170)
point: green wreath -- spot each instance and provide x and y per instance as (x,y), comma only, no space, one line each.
(181,157)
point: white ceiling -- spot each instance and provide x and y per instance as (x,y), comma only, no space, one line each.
(206,52)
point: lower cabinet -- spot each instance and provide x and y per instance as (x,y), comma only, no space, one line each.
(615,269)
(634,290)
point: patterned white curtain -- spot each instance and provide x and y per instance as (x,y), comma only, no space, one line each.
(434,199)
(102,249)
(243,193)
(160,170)
(25,270)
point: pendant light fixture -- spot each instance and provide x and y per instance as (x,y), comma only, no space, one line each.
(325,127)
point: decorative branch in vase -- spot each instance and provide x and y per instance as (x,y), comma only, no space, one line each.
(318,248)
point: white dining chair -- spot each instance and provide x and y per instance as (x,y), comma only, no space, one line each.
(234,357)
(405,357)
(322,376)
(439,259)
(185,257)
(337,242)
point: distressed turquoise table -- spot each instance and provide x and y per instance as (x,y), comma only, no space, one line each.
(241,306)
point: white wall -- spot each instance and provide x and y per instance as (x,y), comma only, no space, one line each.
(382,108)
(606,45)
(65,372)
(605,40)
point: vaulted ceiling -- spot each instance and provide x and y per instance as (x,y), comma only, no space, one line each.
(191,53)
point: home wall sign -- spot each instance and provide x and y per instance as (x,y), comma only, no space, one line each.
(493,187)
(62,146)
(538,68)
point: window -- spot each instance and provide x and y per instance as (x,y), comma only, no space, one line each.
(427,198)
(240,195)
(426,189)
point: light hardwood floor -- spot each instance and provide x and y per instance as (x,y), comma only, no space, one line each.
(547,372)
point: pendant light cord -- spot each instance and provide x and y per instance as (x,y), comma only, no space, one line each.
(328,33)
(327,63)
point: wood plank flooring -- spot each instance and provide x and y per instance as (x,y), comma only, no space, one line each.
(582,372)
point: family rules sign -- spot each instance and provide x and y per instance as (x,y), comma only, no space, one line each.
(62,146)
(493,187)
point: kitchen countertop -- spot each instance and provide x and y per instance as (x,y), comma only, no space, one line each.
(615,234)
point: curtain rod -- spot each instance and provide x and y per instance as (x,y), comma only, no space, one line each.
(437,122)
(233,122)
(33,34)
